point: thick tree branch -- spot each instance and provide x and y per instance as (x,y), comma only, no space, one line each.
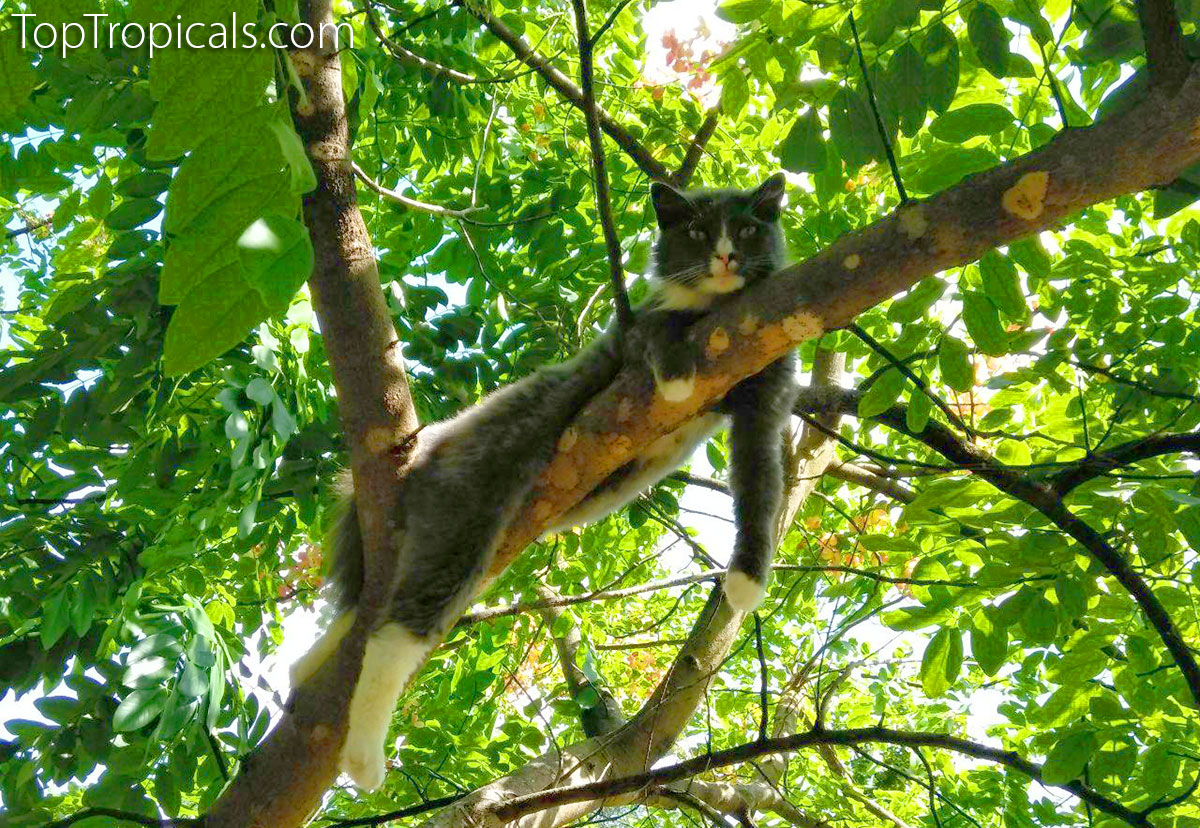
(607,789)
(591,114)
(1166,53)
(1019,484)
(1096,465)
(274,788)
(648,164)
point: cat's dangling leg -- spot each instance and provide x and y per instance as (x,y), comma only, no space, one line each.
(760,408)
(392,655)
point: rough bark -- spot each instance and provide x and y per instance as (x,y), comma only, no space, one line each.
(282,782)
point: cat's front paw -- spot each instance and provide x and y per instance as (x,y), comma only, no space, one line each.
(363,761)
(677,389)
(743,592)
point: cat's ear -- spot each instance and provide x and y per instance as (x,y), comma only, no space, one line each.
(767,200)
(670,205)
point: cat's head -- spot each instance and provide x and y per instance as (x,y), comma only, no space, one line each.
(714,242)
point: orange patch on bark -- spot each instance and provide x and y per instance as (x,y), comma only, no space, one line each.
(1026,198)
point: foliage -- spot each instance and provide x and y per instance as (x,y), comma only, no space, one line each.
(169,424)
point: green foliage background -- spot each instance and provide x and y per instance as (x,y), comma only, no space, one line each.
(169,429)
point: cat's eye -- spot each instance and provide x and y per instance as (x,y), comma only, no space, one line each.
(697,234)
(748,231)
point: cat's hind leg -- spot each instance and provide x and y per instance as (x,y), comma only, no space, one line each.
(392,655)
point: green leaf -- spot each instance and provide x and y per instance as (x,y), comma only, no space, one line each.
(56,618)
(742,11)
(947,166)
(19,77)
(882,394)
(941,662)
(1040,621)
(989,643)
(1003,286)
(906,81)
(200,92)
(735,91)
(986,30)
(940,53)
(221,189)
(958,125)
(212,320)
(983,324)
(132,214)
(912,305)
(139,709)
(955,364)
(916,416)
(1067,759)
(1157,771)
(144,185)
(803,149)
(853,129)
(277,258)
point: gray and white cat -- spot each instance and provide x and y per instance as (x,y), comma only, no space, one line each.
(470,474)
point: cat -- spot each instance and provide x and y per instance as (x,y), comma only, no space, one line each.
(711,244)
(470,474)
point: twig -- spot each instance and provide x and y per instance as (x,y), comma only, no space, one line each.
(650,165)
(411,203)
(29,227)
(123,816)
(603,207)
(695,150)
(900,366)
(883,136)
(409,57)
(608,21)
(1166,53)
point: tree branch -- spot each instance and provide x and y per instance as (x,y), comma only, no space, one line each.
(1095,465)
(1041,496)
(851,473)
(612,244)
(520,806)
(695,150)
(410,203)
(1166,53)
(281,783)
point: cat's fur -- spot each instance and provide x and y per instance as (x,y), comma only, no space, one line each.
(470,474)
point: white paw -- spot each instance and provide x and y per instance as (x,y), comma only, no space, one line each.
(677,390)
(743,592)
(363,761)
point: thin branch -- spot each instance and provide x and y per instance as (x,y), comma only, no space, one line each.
(122,816)
(411,203)
(851,473)
(695,150)
(900,366)
(519,806)
(410,58)
(1096,465)
(615,272)
(607,24)
(883,135)
(650,165)
(392,816)
(1042,497)
(30,226)
(1166,53)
